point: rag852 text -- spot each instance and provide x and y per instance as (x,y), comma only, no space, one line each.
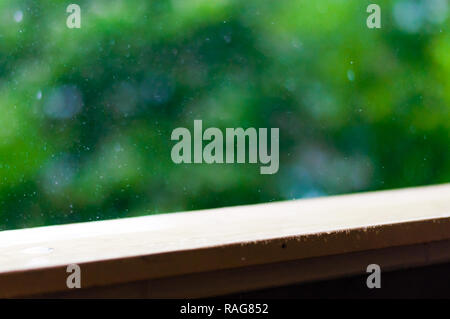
(246,308)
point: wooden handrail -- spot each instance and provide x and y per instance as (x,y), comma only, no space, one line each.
(225,250)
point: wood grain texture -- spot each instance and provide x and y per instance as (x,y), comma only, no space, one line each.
(34,261)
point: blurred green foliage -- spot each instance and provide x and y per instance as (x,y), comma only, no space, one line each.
(86,114)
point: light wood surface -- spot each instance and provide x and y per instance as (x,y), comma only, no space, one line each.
(167,247)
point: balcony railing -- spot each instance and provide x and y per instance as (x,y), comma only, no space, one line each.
(229,250)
